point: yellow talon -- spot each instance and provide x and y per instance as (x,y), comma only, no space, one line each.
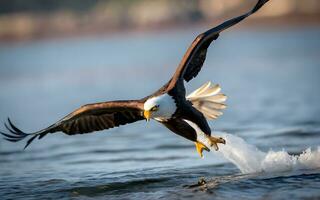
(200,147)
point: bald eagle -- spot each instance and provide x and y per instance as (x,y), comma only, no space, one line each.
(169,105)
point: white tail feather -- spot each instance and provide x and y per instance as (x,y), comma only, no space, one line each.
(208,100)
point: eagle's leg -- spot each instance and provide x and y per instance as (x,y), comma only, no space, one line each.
(200,147)
(214,142)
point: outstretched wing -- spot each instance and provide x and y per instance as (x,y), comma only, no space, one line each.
(86,119)
(195,56)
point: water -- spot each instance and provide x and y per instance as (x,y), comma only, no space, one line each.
(249,159)
(270,76)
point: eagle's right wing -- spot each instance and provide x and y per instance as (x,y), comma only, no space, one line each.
(86,119)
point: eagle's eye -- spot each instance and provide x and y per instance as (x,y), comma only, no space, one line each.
(154,108)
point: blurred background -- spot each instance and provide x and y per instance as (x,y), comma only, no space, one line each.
(58,55)
(33,19)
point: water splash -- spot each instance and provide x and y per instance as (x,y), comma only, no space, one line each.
(249,159)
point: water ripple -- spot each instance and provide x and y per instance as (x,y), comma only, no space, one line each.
(145,159)
(298,133)
(114,188)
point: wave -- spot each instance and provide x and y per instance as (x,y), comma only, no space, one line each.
(115,188)
(296,132)
(249,159)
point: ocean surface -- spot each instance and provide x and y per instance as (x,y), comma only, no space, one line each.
(271,125)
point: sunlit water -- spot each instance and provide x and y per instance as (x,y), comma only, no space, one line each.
(271,125)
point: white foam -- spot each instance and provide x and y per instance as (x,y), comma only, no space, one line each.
(249,159)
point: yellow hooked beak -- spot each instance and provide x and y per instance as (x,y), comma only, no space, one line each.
(147,115)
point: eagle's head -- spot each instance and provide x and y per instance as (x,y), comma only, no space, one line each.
(160,108)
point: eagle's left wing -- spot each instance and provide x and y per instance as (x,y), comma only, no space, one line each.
(195,56)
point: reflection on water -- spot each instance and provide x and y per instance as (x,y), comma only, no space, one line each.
(271,78)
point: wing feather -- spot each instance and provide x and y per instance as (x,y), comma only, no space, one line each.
(195,56)
(86,119)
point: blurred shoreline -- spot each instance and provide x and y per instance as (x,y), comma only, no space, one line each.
(113,17)
(46,31)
